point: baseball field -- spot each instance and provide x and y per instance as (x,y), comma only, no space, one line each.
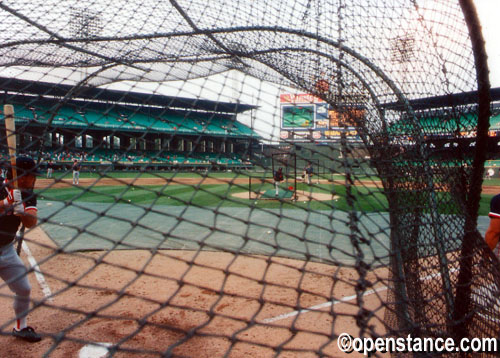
(215,189)
(145,265)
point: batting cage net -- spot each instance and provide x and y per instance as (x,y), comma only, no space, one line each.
(156,128)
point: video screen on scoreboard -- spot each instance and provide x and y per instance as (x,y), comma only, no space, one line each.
(299,116)
(347,118)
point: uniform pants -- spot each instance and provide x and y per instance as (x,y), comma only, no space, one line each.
(76,176)
(14,274)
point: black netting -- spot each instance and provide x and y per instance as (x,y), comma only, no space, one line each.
(175,240)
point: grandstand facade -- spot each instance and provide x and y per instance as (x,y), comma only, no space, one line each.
(127,130)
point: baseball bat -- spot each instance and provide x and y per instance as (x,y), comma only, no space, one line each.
(10,131)
(19,238)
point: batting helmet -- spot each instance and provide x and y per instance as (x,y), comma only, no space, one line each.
(24,165)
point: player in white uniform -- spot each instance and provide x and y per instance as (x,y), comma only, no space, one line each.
(278,178)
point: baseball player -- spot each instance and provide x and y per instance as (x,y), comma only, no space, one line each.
(50,168)
(3,172)
(17,206)
(493,232)
(309,173)
(76,171)
(490,173)
(278,178)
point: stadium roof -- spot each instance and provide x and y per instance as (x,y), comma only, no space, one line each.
(16,86)
(440,125)
(39,104)
(451,100)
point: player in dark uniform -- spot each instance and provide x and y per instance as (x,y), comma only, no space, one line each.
(76,171)
(278,178)
(493,232)
(17,206)
(3,169)
(309,173)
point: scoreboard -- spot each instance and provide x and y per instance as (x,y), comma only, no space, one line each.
(307,118)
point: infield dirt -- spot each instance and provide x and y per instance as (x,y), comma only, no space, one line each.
(200,304)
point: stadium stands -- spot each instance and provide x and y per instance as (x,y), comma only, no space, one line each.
(108,128)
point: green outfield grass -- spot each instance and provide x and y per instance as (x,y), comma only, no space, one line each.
(213,195)
(495,182)
(233,174)
(484,204)
(360,198)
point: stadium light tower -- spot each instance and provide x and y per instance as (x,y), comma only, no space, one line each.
(403,48)
(85,24)
(402,53)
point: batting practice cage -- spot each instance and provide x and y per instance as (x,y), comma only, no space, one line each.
(155,128)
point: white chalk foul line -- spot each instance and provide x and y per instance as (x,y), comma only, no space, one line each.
(342,300)
(321,306)
(38,274)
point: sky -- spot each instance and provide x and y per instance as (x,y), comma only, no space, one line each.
(266,120)
(488,12)
(234,86)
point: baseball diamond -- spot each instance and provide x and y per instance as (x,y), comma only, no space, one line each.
(240,179)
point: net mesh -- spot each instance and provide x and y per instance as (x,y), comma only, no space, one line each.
(176,110)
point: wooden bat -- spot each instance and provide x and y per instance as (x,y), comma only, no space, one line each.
(10,131)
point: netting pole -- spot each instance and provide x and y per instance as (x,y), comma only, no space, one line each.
(401,301)
(463,292)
